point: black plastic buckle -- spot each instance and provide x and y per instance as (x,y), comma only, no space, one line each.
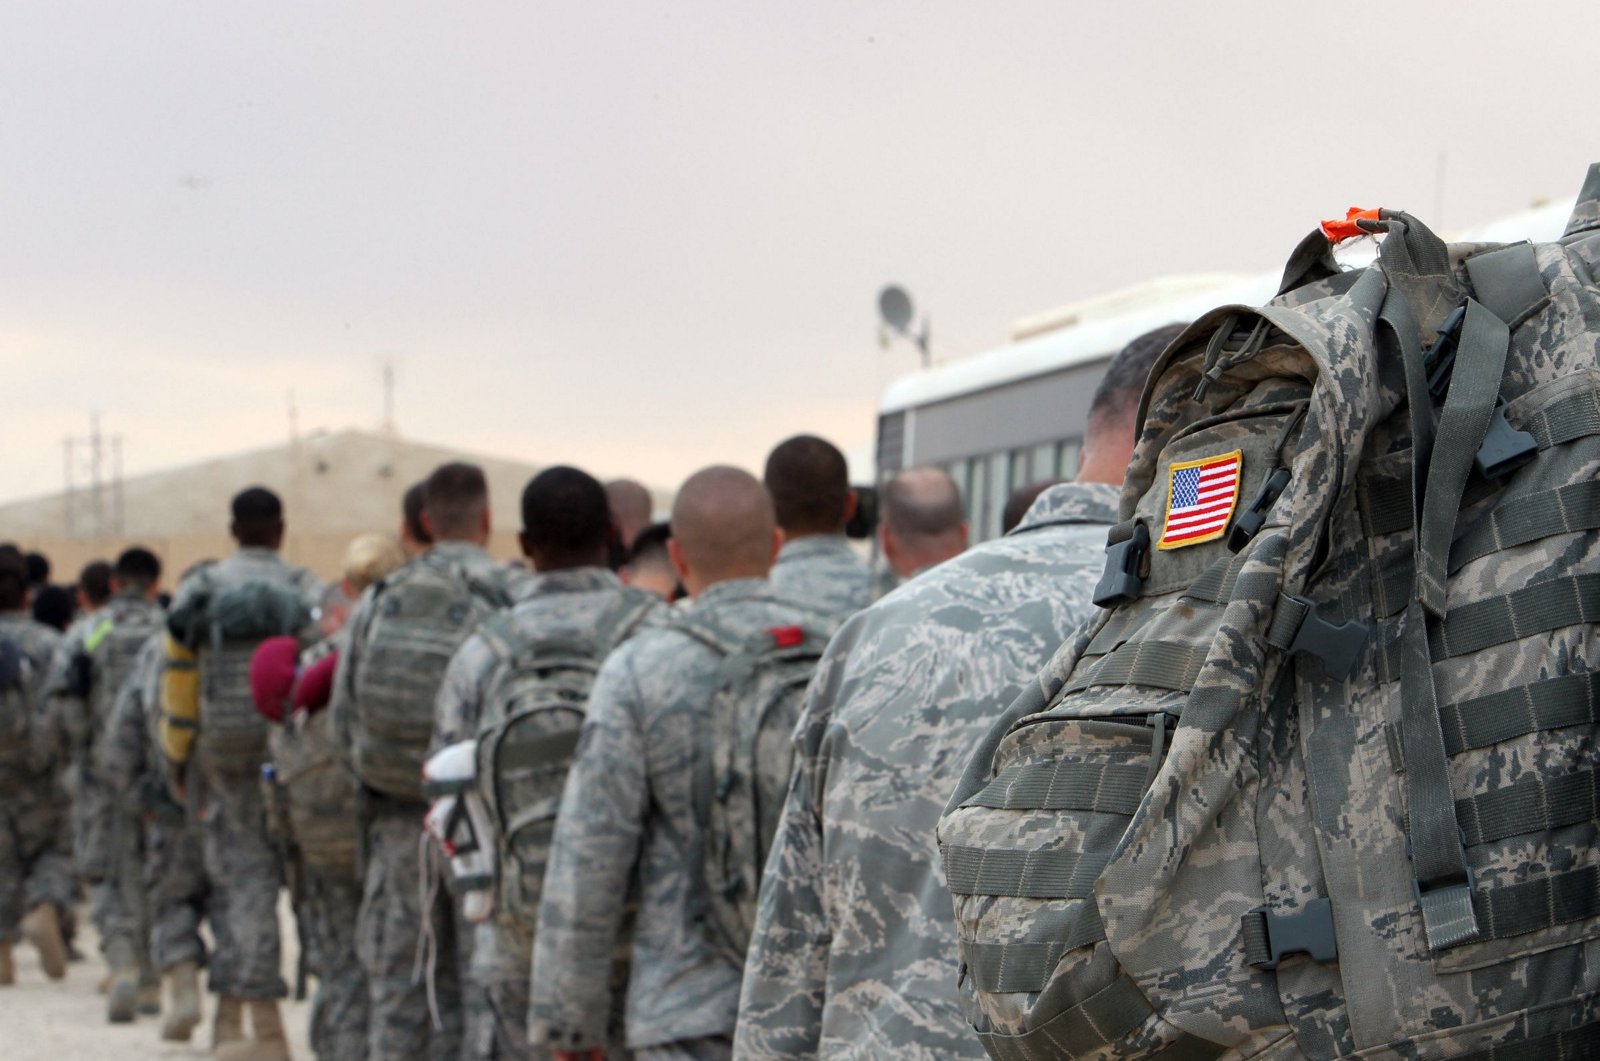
(1504,449)
(1337,645)
(1440,359)
(1123,579)
(1308,931)
(1249,522)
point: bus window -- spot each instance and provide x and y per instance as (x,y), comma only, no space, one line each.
(1042,464)
(999,490)
(1067,460)
(976,498)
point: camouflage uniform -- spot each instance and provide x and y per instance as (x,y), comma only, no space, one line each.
(241,864)
(391,918)
(854,952)
(35,838)
(824,573)
(108,840)
(329,907)
(556,604)
(628,825)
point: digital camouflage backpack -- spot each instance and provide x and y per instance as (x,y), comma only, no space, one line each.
(419,616)
(313,787)
(526,739)
(236,619)
(1320,779)
(739,790)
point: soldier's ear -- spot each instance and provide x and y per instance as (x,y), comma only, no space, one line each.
(680,566)
(852,501)
(777,544)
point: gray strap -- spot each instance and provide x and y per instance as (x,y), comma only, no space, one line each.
(1060,784)
(1569,1044)
(1573,417)
(1388,500)
(1507,281)
(1534,609)
(1543,902)
(1517,521)
(1444,883)
(1009,967)
(1552,703)
(1158,664)
(1057,874)
(1533,806)
(1215,584)
(1474,389)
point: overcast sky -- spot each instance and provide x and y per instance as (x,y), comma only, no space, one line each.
(642,237)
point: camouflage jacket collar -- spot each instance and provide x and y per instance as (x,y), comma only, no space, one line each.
(735,589)
(470,552)
(814,545)
(260,554)
(1072,503)
(571,580)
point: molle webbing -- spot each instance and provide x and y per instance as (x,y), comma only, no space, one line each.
(1569,1043)
(1057,874)
(1114,788)
(1103,1018)
(1533,806)
(1158,664)
(1550,703)
(1027,967)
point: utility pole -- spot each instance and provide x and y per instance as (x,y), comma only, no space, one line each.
(93,448)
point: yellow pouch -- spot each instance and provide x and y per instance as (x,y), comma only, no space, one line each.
(180,701)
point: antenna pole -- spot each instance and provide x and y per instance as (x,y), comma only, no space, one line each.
(388,397)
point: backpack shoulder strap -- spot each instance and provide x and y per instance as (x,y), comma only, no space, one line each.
(710,632)
(619,620)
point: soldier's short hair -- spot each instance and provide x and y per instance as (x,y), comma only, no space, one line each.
(95,581)
(650,544)
(1116,399)
(456,495)
(810,485)
(256,505)
(922,503)
(1022,499)
(411,506)
(138,568)
(38,569)
(565,512)
(13,579)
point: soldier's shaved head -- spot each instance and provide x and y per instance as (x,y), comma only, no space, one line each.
(923,521)
(723,527)
(456,503)
(631,507)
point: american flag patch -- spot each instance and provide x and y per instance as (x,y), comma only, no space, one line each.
(1200,499)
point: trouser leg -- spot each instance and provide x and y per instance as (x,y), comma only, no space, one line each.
(245,876)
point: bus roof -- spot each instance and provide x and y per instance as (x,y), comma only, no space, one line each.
(1099,326)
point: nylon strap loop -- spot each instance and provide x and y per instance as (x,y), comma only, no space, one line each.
(1534,806)
(1057,874)
(1008,967)
(1552,703)
(1569,1043)
(1542,902)
(1113,788)
(1507,281)
(1158,664)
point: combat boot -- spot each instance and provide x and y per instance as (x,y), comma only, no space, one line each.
(123,998)
(267,1041)
(8,971)
(42,928)
(149,997)
(183,995)
(227,1026)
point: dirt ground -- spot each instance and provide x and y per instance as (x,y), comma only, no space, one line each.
(43,1020)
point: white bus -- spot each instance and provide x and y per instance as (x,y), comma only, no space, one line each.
(1011,416)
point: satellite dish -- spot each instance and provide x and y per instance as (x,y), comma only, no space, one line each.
(894,306)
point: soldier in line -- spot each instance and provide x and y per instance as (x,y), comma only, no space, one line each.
(923,521)
(35,843)
(94,587)
(649,566)
(414,536)
(628,823)
(573,598)
(315,799)
(223,612)
(631,509)
(810,487)
(402,633)
(854,951)
(95,660)
(172,873)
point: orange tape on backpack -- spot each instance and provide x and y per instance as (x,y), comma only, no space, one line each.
(1349,228)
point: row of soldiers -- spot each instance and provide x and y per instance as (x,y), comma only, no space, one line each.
(683,813)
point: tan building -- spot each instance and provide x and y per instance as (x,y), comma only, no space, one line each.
(334,486)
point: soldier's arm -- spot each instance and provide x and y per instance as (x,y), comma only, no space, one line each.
(785,972)
(596,845)
(341,705)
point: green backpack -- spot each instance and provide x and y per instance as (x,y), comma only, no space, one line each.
(739,789)
(529,734)
(17,683)
(1320,780)
(237,618)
